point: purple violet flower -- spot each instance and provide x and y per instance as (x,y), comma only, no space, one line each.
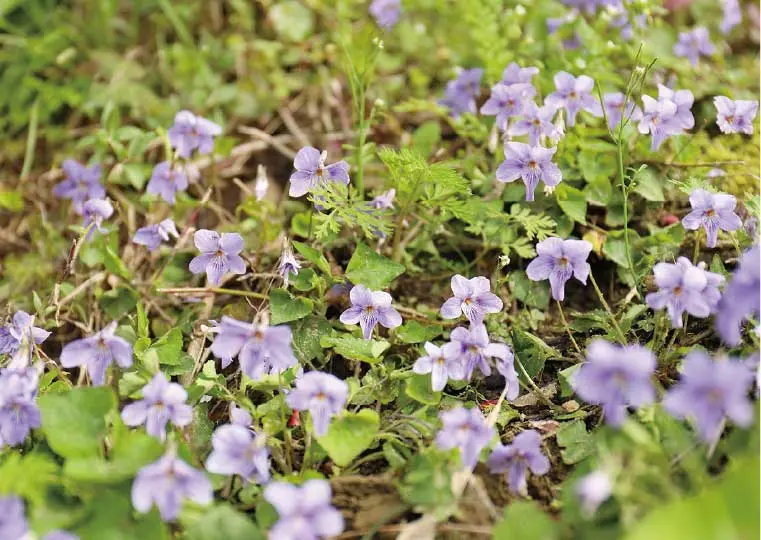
(574,94)
(162,402)
(18,411)
(710,391)
(17,337)
(369,308)
(507,101)
(731,15)
(530,164)
(515,74)
(439,366)
(735,116)
(614,109)
(81,183)
(97,352)
(305,511)
(466,430)
(191,132)
(461,93)
(236,449)
(615,378)
(740,301)
(693,44)
(151,236)
(384,201)
(240,416)
(165,483)
(261,349)
(684,287)
(472,298)
(13,524)
(683,99)
(659,120)
(94,212)
(262,182)
(558,260)
(535,122)
(386,12)
(166,180)
(311,171)
(322,394)
(517,458)
(288,264)
(60,535)
(592,490)
(219,255)
(471,348)
(713,211)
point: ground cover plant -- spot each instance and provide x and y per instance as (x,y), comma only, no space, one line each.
(343,269)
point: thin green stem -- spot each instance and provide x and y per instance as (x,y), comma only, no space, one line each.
(539,394)
(191,291)
(625,193)
(619,332)
(568,328)
(696,250)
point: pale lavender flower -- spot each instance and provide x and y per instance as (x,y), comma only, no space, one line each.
(166,483)
(236,449)
(94,212)
(693,44)
(162,402)
(152,236)
(731,15)
(535,122)
(439,366)
(515,74)
(712,211)
(261,349)
(716,173)
(60,535)
(530,164)
(17,337)
(740,301)
(517,458)
(471,348)
(683,99)
(659,120)
(311,171)
(384,201)
(461,93)
(558,260)
(616,378)
(288,264)
(507,101)
(191,132)
(305,511)
(240,416)
(574,94)
(13,524)
(386,12)
(262,183)
(592,490)
(614,109)
(466,430)
(166,180)
(555,23)
(322,394)
(219,255)
(735,116)
(81,184)
(684,287)
(472,297)
(369,308)
(18,411)
(97,352)
(710,391)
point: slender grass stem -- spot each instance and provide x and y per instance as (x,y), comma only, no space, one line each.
(193,291)
(619,332)
(567,328)
(537,391)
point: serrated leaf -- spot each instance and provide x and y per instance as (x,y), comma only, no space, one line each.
(286,307)
(349,435)
(365,350)
(372,270)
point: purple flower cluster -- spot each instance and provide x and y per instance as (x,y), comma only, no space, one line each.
(574,94)
(531,164)
(616,378)
(740,301)
(311,171)
(238,449)
(461,93)
(191,132)
(731,15)
(386,12)
(593,490)
(735,116)
(13,525)
(80,184)
(714,212)
(98,352)
(441,367)
(472,347)
(18,410)
(17,338)
(694,44)
(305,511)
(684,287)
(616,111)
(369,308)
(152,236)
(288,264)
(466,430)
(166,180)
(162,402)
(516,459)
(558,260)
(669,115)
(322,394)
(219,255)
(261,350)
(507,101)
(94,212)
(472,298)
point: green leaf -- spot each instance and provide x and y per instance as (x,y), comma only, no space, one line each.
(285,307)
(649,186)
(426,137)
(372,270)
(414,332)
(117,302)
(614,247)
(292,20)
(28,476)
(532,352)
(575,443)
(418,387)
(12,201)
(428,483)
(306,337)
(597,167)
(572,202)
(114,264)
(524,520)
(350,435)
(532,293)
(223,522)
(313,256)
(74,422)
(365,350)
(168,349)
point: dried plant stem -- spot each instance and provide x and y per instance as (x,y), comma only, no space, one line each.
(568,328)
(205,291)
(619,332)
